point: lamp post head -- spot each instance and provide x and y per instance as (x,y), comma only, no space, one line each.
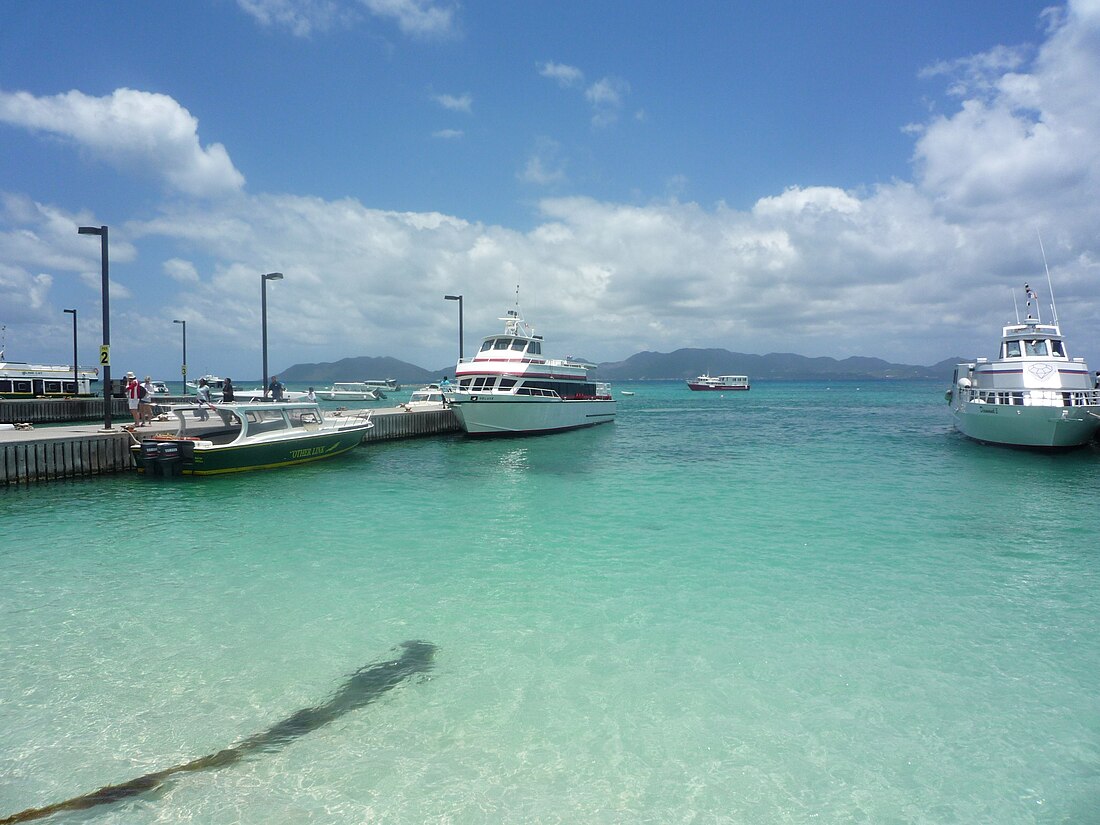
(91,230)
(178,322)
(73,311)
(273,276)
(453,297)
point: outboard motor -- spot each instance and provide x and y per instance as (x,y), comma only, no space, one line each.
(149,452)
(169,460)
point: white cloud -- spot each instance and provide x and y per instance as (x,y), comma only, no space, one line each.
(180,270)
(544,166)
(301,17)
(456,103)
(913,271)
(606,96)
(419,18)
(130,129)
(449,134)
(565,75)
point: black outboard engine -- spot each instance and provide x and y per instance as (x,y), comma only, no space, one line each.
(169,459)
(161,458)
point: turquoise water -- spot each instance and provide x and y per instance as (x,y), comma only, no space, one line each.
(807,603)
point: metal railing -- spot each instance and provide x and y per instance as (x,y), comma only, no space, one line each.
(1031,398)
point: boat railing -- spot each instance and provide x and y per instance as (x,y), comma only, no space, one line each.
(1032,398)
(537,391)
(357,418)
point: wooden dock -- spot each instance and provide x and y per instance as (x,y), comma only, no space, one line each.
(51,453)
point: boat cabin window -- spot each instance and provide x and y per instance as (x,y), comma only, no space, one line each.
(483,383)
(518,345)
(1012,349)
(501,343)
(5,386)
(70,387)
(1058,349)
(300,418)
(488,345)
(1035,347)
(265,421)
(464,383)
(507,383)
(535,348)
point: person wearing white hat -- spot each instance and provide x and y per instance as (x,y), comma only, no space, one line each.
(133,398)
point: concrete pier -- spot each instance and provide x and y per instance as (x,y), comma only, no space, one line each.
(50,453)
(58,410)
(54,453)
(394,423)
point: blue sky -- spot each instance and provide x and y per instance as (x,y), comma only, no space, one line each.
(854,178)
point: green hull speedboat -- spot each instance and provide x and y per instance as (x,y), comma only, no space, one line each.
(231,438)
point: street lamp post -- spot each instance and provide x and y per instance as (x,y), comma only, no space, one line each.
(76,369)
(270,276)
(183,369)
(105,353)
(459,299)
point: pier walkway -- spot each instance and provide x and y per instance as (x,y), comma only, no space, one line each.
(49,453)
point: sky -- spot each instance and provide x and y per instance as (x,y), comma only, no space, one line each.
(831,179)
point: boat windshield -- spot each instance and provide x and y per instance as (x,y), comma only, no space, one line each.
(265,421)
(1035,347)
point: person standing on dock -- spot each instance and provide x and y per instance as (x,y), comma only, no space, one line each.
(202,396)
(227,391)
(146,400)
(311,396)
(133,398)
(276,389)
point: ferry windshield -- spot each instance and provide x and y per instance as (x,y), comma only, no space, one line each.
(1035,347)
(1012,349)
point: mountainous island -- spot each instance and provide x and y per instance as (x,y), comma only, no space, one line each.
(678,365)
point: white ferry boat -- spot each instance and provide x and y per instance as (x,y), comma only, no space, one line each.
(212,381)
(509,388)
(719,382)
(1032,395)
(22,380)
(351,391)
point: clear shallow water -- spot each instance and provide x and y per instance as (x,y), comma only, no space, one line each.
(806,603)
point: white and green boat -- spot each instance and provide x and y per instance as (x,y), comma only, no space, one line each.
(229,438)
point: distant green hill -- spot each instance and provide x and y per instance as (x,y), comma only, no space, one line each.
(681,364)
(688,363)
(360,369)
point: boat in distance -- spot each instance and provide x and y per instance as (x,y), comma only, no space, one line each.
(719,382)
(1033,394)
(230,438)
(22,380)
(351,391)
(509,388)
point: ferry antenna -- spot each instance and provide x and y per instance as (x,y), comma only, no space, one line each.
(1050,286)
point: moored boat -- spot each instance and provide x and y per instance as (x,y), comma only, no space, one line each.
(1033,394)
(212,381)
(719,382)
(230,438)
(431,397)
(351,391)
(509,388)
(22,380)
